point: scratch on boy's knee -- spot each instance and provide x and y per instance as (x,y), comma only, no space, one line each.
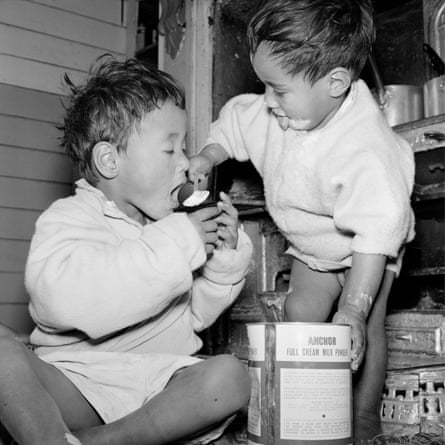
(72,440)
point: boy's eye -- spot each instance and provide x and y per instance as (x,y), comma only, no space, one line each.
(170,148)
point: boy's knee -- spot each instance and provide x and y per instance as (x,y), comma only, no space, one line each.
(299,309)
(231,376)
(292,310)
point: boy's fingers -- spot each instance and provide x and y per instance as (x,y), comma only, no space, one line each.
(207,213)
(225,198)
(210,226)
(225,234)
(227,208)
(225,219)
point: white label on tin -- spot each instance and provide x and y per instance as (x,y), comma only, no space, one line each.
(315,404)
(313,343)
(256,336)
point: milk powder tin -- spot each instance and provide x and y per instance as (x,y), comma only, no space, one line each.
(301,384)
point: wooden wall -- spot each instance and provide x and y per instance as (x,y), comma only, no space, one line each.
(40,41)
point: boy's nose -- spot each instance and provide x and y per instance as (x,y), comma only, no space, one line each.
(269,98)
(184,162)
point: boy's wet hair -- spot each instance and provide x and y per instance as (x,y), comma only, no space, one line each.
(110,105)
(314,36)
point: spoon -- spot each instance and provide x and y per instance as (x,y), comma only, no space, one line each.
(190,198)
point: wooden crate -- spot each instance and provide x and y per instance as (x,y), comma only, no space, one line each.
(413,402)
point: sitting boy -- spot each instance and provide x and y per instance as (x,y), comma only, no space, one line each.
(120,283)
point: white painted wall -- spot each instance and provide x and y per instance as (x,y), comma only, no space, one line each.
(40,41)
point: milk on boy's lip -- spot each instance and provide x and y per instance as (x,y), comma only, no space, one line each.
(285,122)
(278,113)
(299,125)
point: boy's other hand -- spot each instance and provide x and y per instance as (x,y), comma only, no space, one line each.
(227,223)
(200,167)
(348,315)
(205,222)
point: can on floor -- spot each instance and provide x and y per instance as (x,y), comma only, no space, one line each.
(301,384)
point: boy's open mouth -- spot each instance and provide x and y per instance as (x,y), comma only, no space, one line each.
(176,191)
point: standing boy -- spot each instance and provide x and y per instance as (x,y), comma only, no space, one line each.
(337,179)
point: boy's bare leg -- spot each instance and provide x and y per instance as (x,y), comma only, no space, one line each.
(196,398)
(39,405)
(311,294)
(311,298)
(370,379)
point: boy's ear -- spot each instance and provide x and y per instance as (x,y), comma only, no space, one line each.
(105,159)
(339,81)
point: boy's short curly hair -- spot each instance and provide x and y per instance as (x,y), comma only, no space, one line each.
(314,36)
(110,105)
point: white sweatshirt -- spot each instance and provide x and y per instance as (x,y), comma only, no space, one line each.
(332,191)
(98,280)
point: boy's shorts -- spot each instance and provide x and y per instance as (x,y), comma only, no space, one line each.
(118,383)
(393,264)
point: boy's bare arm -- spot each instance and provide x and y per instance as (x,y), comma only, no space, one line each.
(357,298)
(201,164)
(363,282)
(215,153)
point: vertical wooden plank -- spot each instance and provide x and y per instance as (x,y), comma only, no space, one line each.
(131,23)
(200,109)
(270,407)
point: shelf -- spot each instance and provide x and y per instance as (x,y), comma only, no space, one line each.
(425,271)
(429,192)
